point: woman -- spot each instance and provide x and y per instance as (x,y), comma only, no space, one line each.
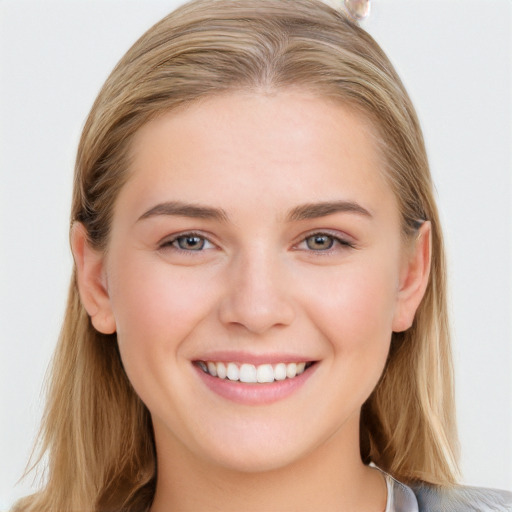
(258,308)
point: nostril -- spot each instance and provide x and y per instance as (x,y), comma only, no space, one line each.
(256,315)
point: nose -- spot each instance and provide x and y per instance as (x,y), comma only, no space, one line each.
(258,296)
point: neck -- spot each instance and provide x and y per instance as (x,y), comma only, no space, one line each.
(331,478)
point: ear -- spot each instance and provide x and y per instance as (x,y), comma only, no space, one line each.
(413,278)
(91,280)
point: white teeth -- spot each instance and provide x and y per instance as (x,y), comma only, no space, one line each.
(250,373)
(291,370)
(247,373)
(222,372)
(212,368)
(280,371)
(265,373)
(233,373)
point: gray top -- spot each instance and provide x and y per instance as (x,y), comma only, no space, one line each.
(430,498)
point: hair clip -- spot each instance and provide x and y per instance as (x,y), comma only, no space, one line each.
(357,9)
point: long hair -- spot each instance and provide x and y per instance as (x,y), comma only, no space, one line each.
(96,432)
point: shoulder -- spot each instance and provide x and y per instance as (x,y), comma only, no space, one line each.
(461,499)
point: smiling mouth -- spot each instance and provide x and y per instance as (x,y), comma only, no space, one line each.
(254,374)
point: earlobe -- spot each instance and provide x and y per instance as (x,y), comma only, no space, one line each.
(414,279)
(91,282)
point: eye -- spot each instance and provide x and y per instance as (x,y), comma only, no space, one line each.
(191,242)
(319,242)
(323,242)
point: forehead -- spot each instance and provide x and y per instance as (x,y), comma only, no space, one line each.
(283,146)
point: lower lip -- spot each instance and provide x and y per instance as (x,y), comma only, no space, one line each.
(255,394)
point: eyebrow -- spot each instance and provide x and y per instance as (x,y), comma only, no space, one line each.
(316,210)
(301,212)
(181,209)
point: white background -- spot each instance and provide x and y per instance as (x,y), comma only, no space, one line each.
(455,57)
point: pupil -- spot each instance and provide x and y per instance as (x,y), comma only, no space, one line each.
(320,242)
(191,242)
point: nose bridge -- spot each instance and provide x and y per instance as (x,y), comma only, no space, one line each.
(258,297)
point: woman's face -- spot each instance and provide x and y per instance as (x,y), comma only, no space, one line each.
(255,236)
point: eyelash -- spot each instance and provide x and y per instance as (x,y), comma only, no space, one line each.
(342,243)
(170,243)
(335,241)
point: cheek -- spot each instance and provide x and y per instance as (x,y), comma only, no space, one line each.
(354,308)
(358,324)
(156,308)
(155,305)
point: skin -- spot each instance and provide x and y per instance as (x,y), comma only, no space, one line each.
(256,287)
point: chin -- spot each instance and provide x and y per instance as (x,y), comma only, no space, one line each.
(250,460)
(261,447)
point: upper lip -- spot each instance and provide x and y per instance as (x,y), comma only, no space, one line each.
(251,358)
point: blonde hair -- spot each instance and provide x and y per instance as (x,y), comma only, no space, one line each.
(96,431)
